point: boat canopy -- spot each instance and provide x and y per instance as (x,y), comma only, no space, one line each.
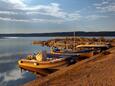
(41,56)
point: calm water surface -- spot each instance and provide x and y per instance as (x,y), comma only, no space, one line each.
(12,49)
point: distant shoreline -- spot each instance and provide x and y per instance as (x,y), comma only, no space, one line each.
(61,34)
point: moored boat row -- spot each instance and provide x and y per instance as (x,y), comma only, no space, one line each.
(44,63)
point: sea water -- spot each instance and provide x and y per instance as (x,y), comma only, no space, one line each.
(11,50)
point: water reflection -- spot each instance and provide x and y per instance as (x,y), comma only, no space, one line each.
(10,74)
(10,51)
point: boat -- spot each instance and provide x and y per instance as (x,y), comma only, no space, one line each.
(44,62)
(86,50)
(82,53)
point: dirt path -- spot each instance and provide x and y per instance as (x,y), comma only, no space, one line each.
(96,71)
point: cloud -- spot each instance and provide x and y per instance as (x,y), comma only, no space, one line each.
(109,8)
(52,10)
(16,3)
(32,20)
(8,12)
(19,8)
(73,16)
(95,17)
(102,3)
(105,6)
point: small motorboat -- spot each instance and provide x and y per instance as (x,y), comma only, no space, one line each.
(42,62)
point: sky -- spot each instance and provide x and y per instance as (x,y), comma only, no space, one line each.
(39,16)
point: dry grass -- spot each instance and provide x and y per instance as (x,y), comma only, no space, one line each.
(96,71)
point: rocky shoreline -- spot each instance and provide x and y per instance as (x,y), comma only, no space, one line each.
(95,71)
(71,42)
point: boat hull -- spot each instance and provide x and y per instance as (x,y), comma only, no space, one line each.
(43,68)
(85,54)
(42,72)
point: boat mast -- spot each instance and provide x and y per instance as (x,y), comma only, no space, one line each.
(74,41)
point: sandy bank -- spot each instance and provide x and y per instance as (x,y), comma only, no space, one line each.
(96,71)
